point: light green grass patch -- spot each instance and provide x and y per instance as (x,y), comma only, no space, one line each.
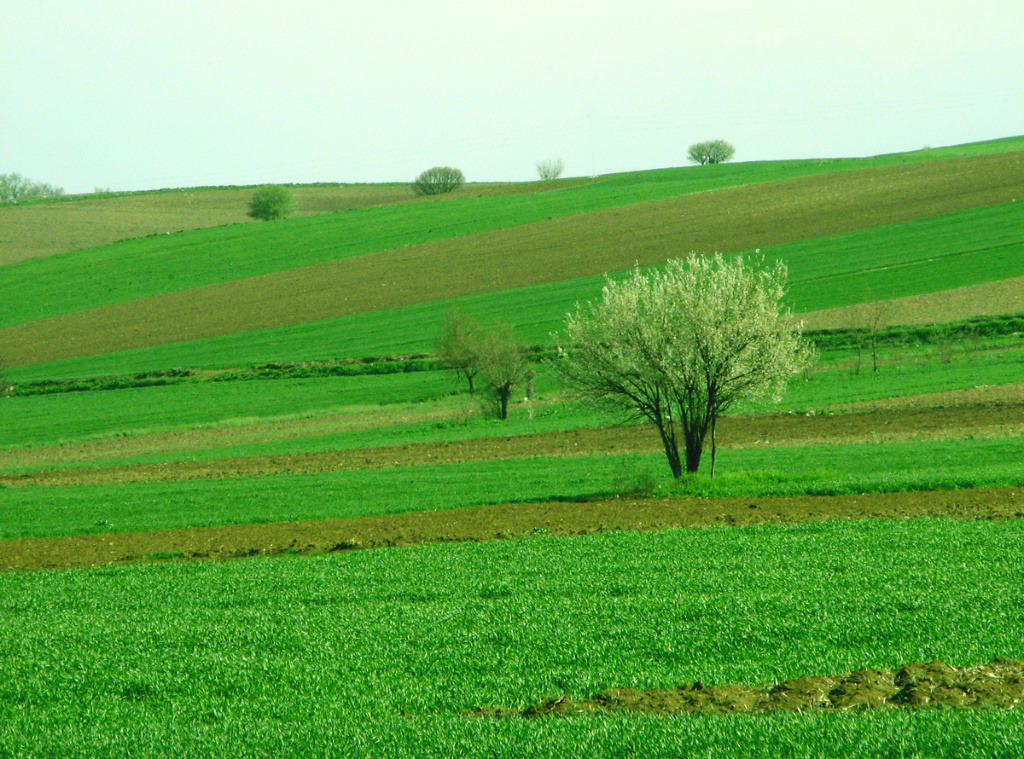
(134,411)
(378,653)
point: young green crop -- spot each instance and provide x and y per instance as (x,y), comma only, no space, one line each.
(68,510)
(129,412)
(951,250)
(380,653)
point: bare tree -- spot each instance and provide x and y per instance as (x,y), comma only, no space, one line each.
(873,318)
(458,344)
(550,169)
(877,321)
(713,151)
(502,366)
(681,346)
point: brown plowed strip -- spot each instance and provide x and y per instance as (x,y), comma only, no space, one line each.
(738,431)
(998,684)
(496,522)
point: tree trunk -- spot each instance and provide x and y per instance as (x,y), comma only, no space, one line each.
(668,440)
(694,448)
(714,448)
(674,463)
(503,395)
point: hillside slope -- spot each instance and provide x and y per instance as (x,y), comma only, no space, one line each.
(579,245)
(61,225)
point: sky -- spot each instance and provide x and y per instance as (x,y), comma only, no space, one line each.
(148,94)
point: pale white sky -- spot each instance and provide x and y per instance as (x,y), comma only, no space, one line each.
(145,94)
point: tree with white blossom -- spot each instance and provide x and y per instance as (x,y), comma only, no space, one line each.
(681,346)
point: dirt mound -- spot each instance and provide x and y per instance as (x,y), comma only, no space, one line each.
(998,684)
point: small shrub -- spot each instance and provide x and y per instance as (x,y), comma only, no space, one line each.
(438,181)
(713,151)
(270,202)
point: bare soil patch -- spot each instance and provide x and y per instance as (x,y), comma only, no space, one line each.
(502,521)
(998,684)
(877,425)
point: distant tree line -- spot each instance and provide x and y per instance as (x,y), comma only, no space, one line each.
(16,187)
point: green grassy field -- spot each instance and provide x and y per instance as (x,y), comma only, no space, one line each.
(40,511)
(905,371)
(308,269)
(927,255)
(58,225)
(379,653)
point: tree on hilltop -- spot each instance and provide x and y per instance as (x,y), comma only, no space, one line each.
(550,169)
(270,202)
(438,181)
(713,151)
(680,347)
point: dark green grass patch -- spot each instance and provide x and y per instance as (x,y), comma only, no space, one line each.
(379,653)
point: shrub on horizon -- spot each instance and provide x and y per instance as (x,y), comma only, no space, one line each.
(713,151)
(438,180)
(270,202)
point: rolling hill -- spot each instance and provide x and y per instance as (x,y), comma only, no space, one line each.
(935,224)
